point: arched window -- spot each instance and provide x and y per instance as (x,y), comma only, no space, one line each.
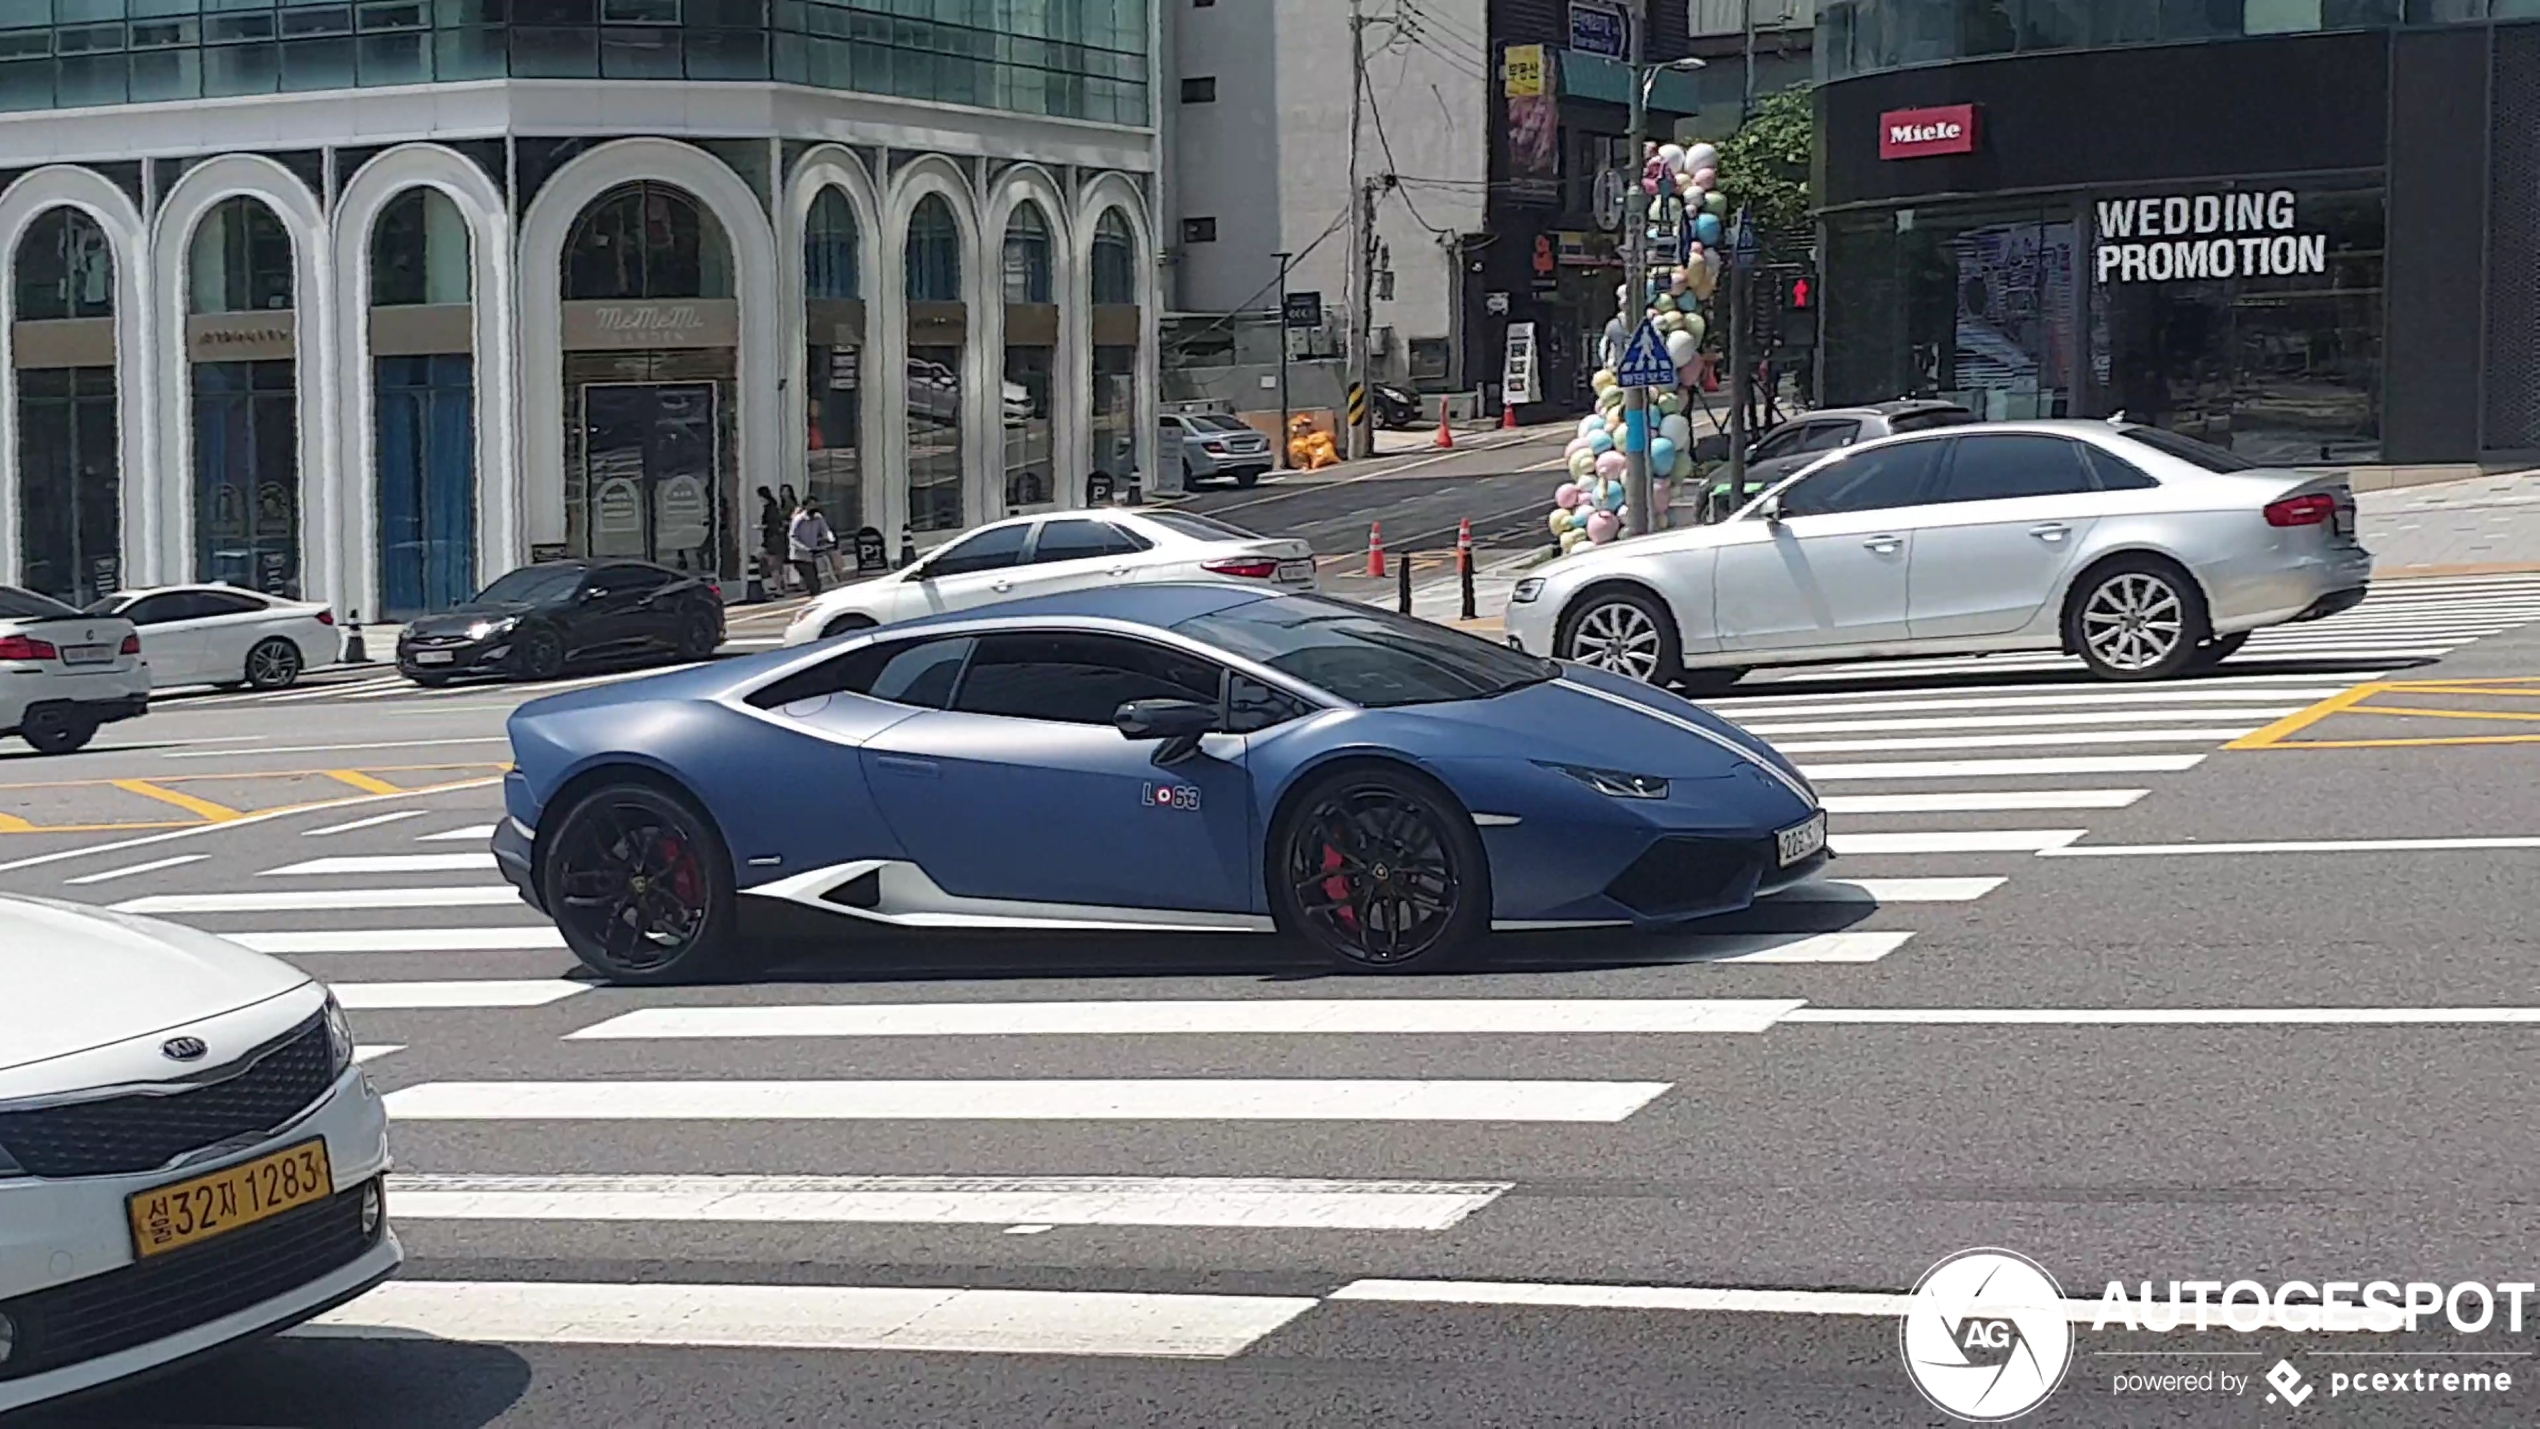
(829,247)
(646,240)
(65,269)
(1027,255)
(418,251)
(934,253)
(1115,259)
(240,261)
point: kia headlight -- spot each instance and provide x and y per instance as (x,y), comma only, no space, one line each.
(1526,590)
(1614,782)
(486,629)
(339,1038)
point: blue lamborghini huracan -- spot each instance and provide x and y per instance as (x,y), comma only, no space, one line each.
(1182,757)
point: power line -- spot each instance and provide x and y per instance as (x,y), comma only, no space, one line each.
(1246,305)
(1393,181)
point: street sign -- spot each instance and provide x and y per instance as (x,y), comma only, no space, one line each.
(872,558)
(1645,361)
(1517,373)
(1609,199)
(1302,309)
(1600,29)
(1745,244)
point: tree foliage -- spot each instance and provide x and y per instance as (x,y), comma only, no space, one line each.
(1764,165)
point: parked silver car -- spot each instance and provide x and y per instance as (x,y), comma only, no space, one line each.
(2144,552)
(1220,446)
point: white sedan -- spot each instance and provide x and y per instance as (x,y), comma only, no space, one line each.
(188,1155)
(1044,555)
(221,635)
(2145,553)
(62,673)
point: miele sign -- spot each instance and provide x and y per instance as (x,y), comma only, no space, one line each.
(1926,133)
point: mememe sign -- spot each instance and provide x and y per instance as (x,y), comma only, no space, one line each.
(2195,236)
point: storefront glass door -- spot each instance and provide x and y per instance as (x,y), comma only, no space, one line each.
(247,476)
(649,469)
(427,483)
(69,537)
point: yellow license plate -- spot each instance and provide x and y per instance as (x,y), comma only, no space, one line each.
(188,1212)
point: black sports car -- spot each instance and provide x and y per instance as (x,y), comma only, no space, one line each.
(539,621)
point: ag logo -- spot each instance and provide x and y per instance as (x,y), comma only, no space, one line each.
(1987,1337)
(1184,797)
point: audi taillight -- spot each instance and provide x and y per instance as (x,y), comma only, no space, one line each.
(2301,510)
(27,647)
(1258,568)
(131,645)
(326,617)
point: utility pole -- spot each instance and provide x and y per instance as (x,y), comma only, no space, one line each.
(1746,106)
(1362,246)
(1282,308)
(1739,386)
(1636,277)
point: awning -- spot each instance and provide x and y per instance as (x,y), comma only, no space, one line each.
(1594,77)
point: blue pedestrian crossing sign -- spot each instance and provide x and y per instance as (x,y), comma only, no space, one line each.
(1645,361)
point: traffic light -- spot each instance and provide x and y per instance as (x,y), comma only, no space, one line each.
(1795,305)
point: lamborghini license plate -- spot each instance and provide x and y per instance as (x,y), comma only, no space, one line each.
(1802,840)
(179,1215)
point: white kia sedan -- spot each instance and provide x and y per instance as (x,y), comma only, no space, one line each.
(188,1154)
(1044,555)
(2145,553)
(221,635)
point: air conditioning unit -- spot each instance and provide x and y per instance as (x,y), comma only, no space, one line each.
(1380,342)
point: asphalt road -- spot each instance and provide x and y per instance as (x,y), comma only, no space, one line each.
(2098,990)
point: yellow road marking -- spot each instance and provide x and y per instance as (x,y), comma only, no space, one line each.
(2443,714)
(204,808)
(12,824)
(2301,720)
(2405,743)
(363,782)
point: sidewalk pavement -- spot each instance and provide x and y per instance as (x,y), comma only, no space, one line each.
(2483,526)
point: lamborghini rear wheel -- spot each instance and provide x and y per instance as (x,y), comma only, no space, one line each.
(1378,868)
(641,886)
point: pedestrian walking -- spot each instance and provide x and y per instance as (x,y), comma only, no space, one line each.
(807,539)
(772,521)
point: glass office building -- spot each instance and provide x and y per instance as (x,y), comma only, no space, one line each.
(2292,227)
(370,302)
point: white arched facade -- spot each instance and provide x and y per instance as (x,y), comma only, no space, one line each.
(832,166)
(30,198)
(764,329)
(1105,192)
(982,372)
(1070,389)
(170,541)
(499,498)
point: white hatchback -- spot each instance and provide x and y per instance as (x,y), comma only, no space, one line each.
(188,1154)
(1026,556)
(221,635)
(62,674)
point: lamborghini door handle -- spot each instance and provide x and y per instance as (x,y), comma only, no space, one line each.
(901,764)
(1884,545)
(1000,586)
(2050,530)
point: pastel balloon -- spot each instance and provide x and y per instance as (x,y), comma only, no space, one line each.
(1706,178)
(1707,229)
(1702,156)
(1602,526)
(1680,347)
(1684,466)
(1599,445)
(1716,202)
(1695,326)
(1611,464)
(1565,496)
(1662,454)
(1559,522)
(1676,429)
(1669,404)
(1572,540)
(1672,155)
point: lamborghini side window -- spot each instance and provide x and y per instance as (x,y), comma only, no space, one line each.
(1252,706)
(1070,678)
(905,672)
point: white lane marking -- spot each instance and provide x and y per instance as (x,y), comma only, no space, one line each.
(2027,721)
(234,825)
(374,821)
(1889,890)
(153,866)
(455,993)
(2005,768)
(473,833)
(2169,1016)
(1955,841)
(2435,845)
(1778,948)
(2066,691)
(402,940)
(333,748)
(2016,741)
(387,863)
(1215,1201)
(814,1317)
(373,1051)
(2316,650)
(1912,701)
(1982,802)
(1056,1099)
(1267,1016)
(322,900)
(1638,1297)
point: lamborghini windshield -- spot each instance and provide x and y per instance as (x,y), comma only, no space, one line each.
(1368,657)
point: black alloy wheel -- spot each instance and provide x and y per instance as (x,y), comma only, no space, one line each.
(538,653)
(273,665)
(697,636)
(56,730)
(640,884)
(1376,868)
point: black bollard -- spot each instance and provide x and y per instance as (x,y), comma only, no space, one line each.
(1402,584)
(355,652)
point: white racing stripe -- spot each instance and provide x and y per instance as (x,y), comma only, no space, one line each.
(153,866)
(1211,1201)
(322,900)
(2436,845)
(1058,1099)
(2014,741)
(2004,768)
(401,940)
(1267,1016)
(455,993)
(1987,801)
(814,1317)
(1955,841)
(1889,890)
(386,863)
(2026,721)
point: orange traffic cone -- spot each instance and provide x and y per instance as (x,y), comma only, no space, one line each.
(1376,549)
(1446,434)
(1508,417)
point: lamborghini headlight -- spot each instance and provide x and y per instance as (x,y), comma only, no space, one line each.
(1614,782)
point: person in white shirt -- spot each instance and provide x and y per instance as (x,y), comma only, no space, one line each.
(807,540)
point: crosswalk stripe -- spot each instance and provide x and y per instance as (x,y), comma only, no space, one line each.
(814,1317)
(155,865)
(1955,841)
(1889,890)
(386,863)
(2015,741)
(374,821)
(1984,802)
(367,1052)
(472,834)
(1282,1016)
(1781,948)
(1918,701)
(2068,690)
(1055,1099)
(455,993)
(2004,768)
(2061,718)
(323,900)
(401,940)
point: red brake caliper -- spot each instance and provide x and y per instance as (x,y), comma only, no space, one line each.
(683,870)
(1336,888)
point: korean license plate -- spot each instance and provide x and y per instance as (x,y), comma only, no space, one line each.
(1801,840)
(2342,521)
(1296,572)
(190,1212)
(88,654)
(435,657)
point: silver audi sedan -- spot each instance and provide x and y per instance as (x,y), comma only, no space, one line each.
(2145,553)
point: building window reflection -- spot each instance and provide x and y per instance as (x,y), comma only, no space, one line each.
(937,328)
(833,366)
(1117,325)
(246,401)
(1031,351)
(69,480)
